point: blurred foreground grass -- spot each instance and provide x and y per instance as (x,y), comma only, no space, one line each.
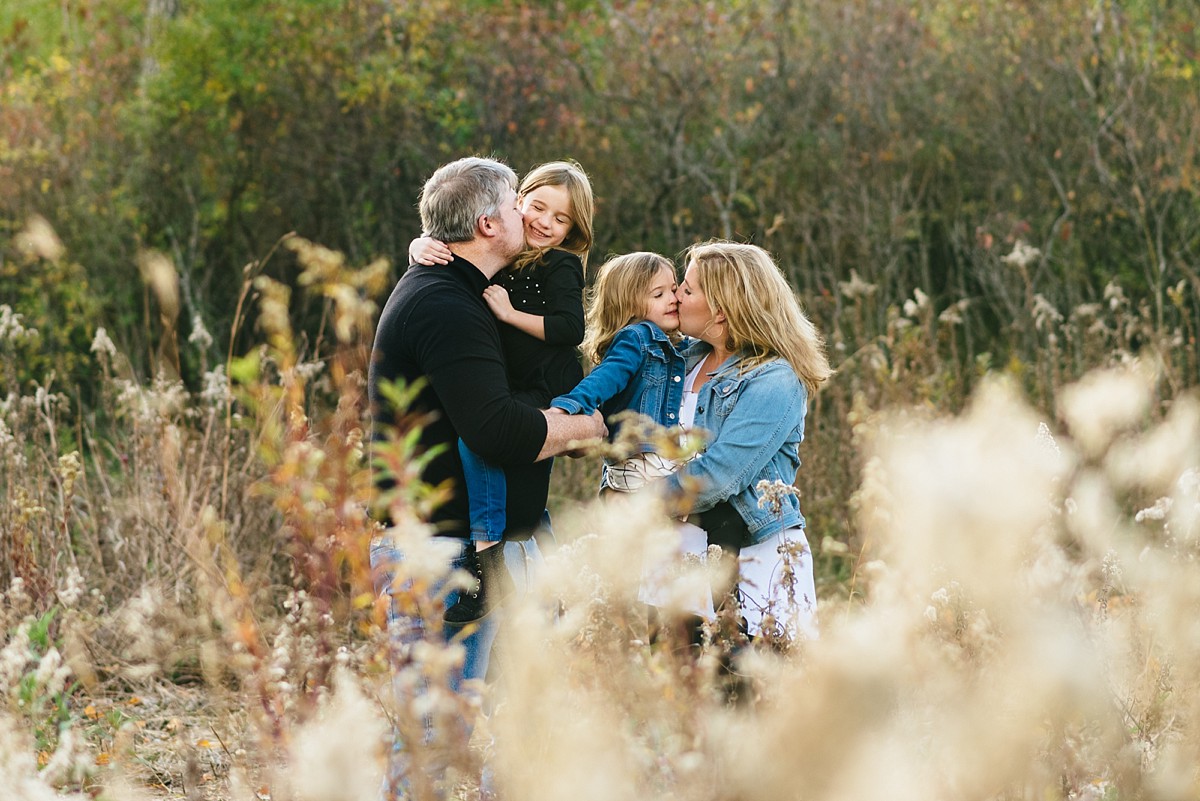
(1009,598)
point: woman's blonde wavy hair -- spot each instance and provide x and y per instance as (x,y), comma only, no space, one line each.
(619,298)
(763,316)
(583,207)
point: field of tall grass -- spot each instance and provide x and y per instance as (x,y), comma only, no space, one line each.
(1010,591)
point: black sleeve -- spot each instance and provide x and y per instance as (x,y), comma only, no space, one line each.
(537,394)
(466,370)
(562,281)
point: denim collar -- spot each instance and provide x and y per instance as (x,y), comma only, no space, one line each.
(656,333)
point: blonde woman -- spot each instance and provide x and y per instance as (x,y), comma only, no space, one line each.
(754,361)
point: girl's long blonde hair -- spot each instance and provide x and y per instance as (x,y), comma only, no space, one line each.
(583,207)
(763,317)
(619,298)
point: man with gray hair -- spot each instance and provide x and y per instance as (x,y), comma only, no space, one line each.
(436,328)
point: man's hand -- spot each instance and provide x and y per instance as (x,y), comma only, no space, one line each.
(571,434)
(589,445)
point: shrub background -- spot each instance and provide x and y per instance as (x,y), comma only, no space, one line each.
(910,142)
(959,194)
(890,154)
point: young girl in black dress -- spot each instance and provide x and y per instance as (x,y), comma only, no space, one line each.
(539,301)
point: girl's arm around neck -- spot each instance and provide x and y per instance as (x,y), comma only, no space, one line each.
(429,251)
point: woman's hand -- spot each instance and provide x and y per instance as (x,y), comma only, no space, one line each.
(427,250)
(497,300)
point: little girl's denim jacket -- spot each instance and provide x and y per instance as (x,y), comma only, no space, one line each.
(642,371)
(755,423)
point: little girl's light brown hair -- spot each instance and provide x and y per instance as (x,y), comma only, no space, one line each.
(619,298)
(583,207)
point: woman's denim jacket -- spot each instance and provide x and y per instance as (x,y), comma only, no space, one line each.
(755,422)
(642,371)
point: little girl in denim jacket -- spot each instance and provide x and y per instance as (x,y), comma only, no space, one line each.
(632,326)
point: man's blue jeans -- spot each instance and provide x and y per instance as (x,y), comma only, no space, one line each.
(520,557)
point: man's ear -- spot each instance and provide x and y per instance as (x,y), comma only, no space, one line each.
(484,226)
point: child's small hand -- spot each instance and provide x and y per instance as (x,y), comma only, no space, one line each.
(497,300)
(427,250)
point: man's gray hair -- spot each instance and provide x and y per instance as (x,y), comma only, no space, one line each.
(461,192)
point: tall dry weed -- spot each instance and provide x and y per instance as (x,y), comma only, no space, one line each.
(1011,615)
(1028,632)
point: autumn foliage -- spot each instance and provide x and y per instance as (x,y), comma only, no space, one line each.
(981,205)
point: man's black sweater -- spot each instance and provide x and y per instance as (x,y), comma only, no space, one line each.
(436,327)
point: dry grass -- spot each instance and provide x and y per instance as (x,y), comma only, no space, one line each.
(188,611)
